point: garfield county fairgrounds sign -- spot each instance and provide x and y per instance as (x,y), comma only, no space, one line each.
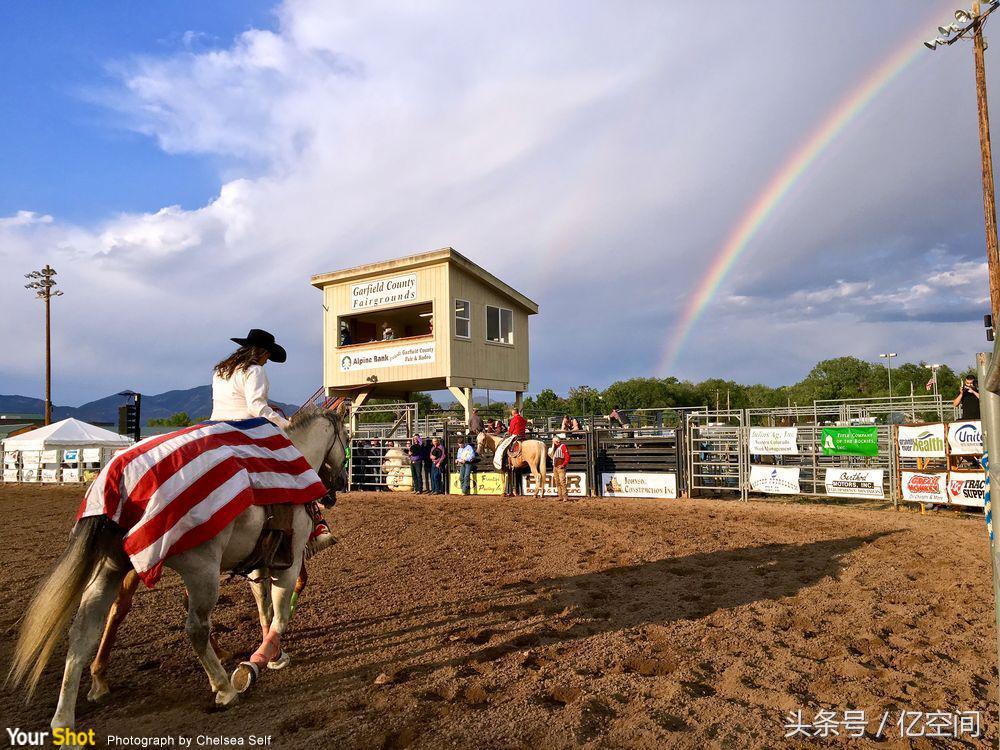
(638,484)
(855,483)
(391,291)
(394,356)
(576,485)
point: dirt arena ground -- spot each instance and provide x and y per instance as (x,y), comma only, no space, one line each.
(483,622)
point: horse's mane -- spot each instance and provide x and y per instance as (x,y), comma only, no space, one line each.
(305,417)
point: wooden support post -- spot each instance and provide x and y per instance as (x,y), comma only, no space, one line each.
(464,398)
(519,399)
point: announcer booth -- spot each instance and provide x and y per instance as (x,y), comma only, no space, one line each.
(425,322)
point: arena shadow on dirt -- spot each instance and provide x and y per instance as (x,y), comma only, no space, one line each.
(525,614)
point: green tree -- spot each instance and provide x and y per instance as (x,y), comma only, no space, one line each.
(180,419)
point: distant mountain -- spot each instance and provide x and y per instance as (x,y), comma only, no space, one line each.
(197,402)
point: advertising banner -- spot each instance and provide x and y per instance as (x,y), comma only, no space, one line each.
(966,438)
(71,455)
(93,455)
(576,485)
(50,475)
(50,456)
(855,483)
(850,441)
(775,480)
(480,483)
(10,475)
(71,475)
(921,487)
(774,441)
(923,441)
(638,484)
(967,488)
(390,356)
(391,291)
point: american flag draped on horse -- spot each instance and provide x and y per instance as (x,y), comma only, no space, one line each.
(172,492)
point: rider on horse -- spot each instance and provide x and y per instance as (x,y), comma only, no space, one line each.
(240,391)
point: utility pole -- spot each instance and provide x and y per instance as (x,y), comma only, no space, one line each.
(975,21)
(43,284)
(887,356)
(989,202)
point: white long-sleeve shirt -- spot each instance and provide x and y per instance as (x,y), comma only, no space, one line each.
(243,396)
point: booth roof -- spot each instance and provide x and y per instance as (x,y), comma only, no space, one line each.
(68,432)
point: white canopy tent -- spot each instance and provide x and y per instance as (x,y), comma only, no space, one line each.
(69,433)
(67,451)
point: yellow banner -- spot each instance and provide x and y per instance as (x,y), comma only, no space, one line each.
(480,483)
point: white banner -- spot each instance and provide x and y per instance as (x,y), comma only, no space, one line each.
(390,291)
(71,475)
(638,484)
(10,475)
(71,455)
(774,441)
(392,356)
(966,438)
(775,480)
(922,441)
(967,488)
(50,475)
(921,487)
(855,483)
(576,484)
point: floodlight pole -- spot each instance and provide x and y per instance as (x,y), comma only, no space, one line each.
(989,201)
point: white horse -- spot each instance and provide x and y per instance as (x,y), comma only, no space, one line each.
(91,570)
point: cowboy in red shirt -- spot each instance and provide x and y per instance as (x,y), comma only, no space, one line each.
(560,460)
(518,424)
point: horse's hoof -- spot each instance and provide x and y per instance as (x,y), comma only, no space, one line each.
(243,678)
(98,689)
(226,697)
(281,662)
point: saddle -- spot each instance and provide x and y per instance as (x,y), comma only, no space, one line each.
(273,549)
(509,447)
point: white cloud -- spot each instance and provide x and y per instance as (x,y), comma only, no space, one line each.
(586,154)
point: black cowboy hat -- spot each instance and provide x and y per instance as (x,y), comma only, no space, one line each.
(264,340)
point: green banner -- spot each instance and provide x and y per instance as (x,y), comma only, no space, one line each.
(850,441)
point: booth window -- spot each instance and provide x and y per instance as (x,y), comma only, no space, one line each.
(412,321)
(499,325)
(463,319)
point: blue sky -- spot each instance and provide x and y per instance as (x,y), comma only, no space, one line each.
(187,166)
(55,140)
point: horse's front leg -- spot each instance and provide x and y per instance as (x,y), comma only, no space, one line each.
(119,611)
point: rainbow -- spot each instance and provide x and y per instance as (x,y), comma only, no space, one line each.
(780,185)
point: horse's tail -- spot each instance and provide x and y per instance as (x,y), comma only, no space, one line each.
(50,610)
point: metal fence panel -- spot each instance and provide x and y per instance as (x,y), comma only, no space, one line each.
(716,454)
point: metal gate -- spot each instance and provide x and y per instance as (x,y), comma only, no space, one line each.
(716,456)
(632,451)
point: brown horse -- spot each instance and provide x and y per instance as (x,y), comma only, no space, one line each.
(533,455)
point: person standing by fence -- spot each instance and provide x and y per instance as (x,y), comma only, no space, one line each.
(968,398)
(475,422)
(465,459)
(560,461)
(437,457)
(417,464)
